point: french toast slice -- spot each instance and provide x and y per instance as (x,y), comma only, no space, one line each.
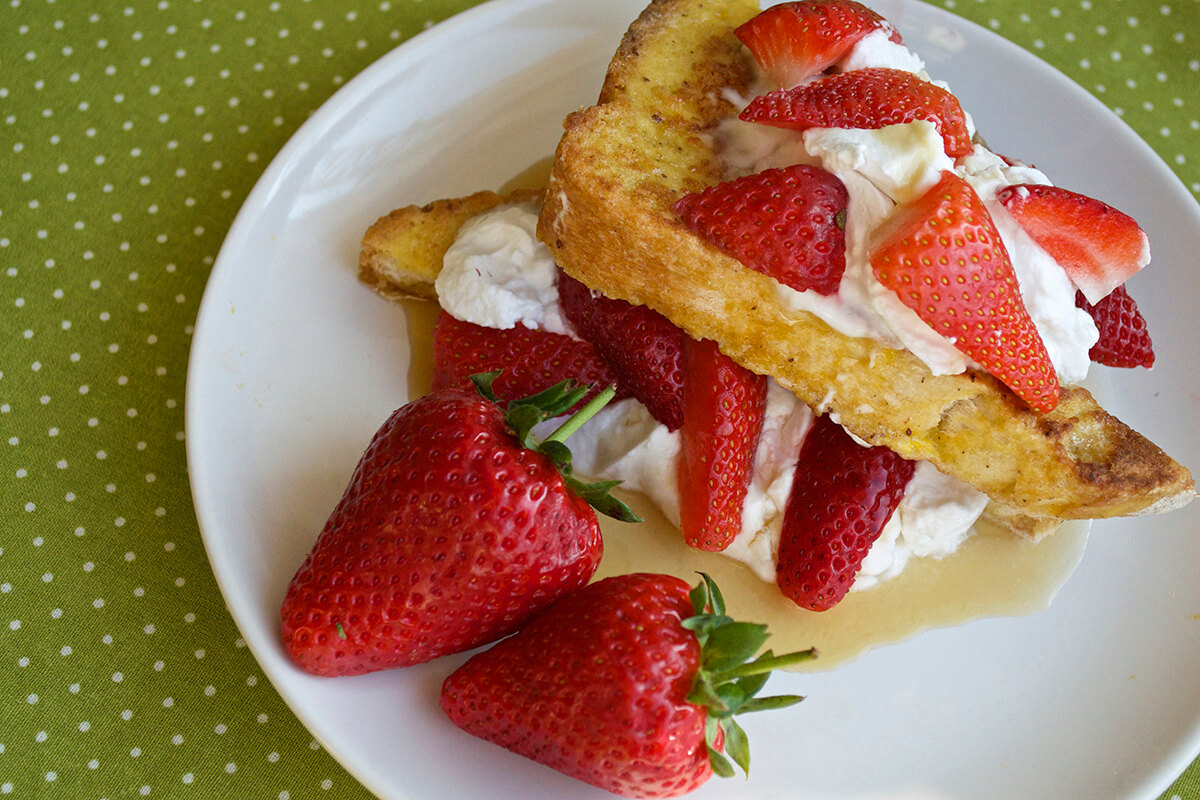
(607,218)
(401,253)
(421,236)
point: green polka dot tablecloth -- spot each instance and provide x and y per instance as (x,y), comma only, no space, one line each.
(132,132)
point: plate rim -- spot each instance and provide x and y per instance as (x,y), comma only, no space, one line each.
(329,112)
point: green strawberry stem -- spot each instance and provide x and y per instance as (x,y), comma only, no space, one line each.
(576,420)
(728,680)
(525,413)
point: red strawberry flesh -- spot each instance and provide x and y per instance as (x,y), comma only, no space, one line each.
(788,223)
(842,496)
(724,406)
(794,41)
(529,360)
(1124,337)
(642,347)
(942,256)
(869,98)
(1098,246)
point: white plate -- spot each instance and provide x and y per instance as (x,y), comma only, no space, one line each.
(294,365)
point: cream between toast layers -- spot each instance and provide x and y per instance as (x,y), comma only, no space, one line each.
(608,221)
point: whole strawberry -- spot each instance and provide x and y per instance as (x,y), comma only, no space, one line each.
(454,530)
(629,684)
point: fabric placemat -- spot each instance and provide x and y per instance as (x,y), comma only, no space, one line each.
(131,133)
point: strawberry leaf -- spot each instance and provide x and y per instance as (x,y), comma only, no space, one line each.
(728,681)
(719,763)
(706,596)
(703,693)
(767,662)
(483,383)
(522,418)
(749,686)
(524,414)
(736,744)
(558,453)
(733,644)
(598,497)
(770,703)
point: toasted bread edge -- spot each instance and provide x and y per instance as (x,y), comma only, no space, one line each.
(607,218)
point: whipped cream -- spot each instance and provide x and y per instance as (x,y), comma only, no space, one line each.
(624,442)
(877,49)
(932,520)
(498,275)
(903,161)
(897,164)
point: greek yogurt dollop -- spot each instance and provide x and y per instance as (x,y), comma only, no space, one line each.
(497,274)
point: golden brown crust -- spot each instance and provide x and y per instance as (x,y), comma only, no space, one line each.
(607,218)
(402,251)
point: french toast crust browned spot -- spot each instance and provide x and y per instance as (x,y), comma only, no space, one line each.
(607,218)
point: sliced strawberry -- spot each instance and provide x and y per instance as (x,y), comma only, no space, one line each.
(842,496)
(865,98)
(529,360)
(788,223)
(1099,246)
(942,256)
(724,404)
(642,347)
(1124,338)
(794,41)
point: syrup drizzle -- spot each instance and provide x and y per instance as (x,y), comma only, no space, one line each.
(993,573)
